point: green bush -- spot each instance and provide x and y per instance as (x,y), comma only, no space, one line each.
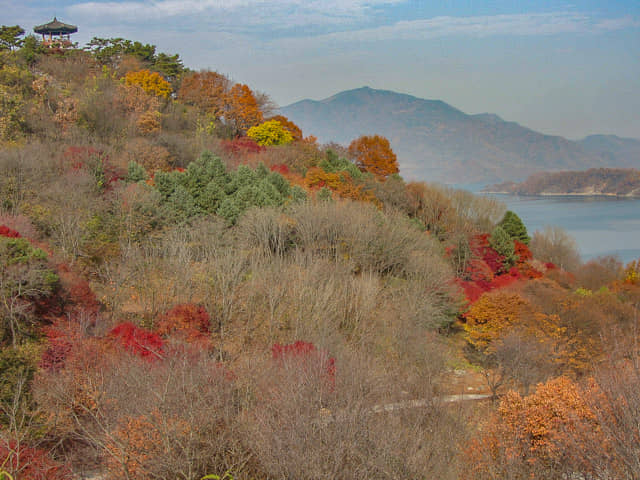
(206,187)
(136,173)
(334,164)
(513,225)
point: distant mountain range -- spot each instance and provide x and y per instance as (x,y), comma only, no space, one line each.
(435,141)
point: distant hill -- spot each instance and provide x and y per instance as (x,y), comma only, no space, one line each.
(595,181)
(613,149)
(435,141)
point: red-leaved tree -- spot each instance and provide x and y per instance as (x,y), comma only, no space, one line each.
(140,342)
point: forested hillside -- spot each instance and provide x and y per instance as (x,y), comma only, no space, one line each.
(595,181)
(192,287)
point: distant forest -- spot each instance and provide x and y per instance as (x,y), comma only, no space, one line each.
(595,181)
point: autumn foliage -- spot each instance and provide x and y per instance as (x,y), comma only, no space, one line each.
(538,436)
(374,154)
(23,461)
(632,272)
(270,132)
(234,105)
(188,320)
(8,232)
(242,146)
(151,82)
(138,341)
(243,111)
(206,90)
(292,128)
(190,239)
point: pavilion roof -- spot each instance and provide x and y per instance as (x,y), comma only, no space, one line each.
(55,27)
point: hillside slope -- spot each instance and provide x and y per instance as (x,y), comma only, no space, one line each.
(435,141)
(614,150)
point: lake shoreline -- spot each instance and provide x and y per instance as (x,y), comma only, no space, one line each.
(564,194)
(601,224)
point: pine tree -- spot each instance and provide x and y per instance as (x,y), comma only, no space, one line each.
(513,225)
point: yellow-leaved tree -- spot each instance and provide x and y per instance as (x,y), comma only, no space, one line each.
(271,132)
(150,82)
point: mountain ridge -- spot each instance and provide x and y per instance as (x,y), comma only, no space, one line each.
(437,141)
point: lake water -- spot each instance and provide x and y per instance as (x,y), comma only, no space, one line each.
(600,225)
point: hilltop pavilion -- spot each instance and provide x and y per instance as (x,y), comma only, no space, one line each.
(55,33)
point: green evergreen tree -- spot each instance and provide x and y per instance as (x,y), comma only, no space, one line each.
(242,177)
(334,164)
(181,206)
(168,65)
(229,210)
(136,173)
(502,243)
(211,198)
(261,171)
(513,225)
(167,182)
(31,48)
(10,37)
(298,195)
(281,184)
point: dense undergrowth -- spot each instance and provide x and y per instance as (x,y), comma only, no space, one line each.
(183,295)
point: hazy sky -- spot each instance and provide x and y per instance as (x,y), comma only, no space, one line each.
(563,68)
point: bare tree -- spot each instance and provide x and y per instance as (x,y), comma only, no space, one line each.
(554,245)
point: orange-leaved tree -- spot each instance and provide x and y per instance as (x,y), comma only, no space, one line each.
(538,436)
(491,315)
(243,111)
(206,90)
(293,129)
(374,154)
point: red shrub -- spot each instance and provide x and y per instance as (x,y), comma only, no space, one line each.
(78,296)
(522,251)
(472,291)
(19,224)
(478,270)
(188,319)
(280,168)
(76,157)
(57,351)
(241,146)
(24,462)
(480,248)
(298,349)
(8,232)
(79,158)
(502,281)
(138,341)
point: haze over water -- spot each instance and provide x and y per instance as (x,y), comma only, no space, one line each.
(600,225)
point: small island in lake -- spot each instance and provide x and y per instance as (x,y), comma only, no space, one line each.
(622,182)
